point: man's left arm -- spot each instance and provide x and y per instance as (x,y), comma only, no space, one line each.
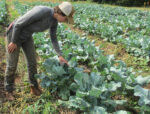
(54,40)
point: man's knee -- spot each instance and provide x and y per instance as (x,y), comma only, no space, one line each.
(32,68)
(10,70)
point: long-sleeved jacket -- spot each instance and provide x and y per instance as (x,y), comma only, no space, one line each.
(37,19)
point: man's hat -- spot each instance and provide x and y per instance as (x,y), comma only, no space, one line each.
(68,10)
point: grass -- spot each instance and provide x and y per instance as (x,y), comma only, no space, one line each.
(2,41)
(21,87)
(12,14)
(147,8)
(2,55)
(137,8)
(139,65)
(1,29)
(24,99)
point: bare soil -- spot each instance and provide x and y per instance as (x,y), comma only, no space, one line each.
(2,68)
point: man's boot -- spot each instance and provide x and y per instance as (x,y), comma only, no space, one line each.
(35,91)
(10,96)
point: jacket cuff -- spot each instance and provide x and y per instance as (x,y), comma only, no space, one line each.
(15,42)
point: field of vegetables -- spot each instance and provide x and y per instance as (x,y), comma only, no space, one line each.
(3,14)
(93,83)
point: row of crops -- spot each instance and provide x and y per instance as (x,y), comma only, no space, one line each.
(118,25)
(3,12)
(131,28)
(109,84)
(92,92)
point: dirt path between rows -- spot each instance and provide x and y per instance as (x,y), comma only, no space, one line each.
(19,74)
(117,50)
(2,67)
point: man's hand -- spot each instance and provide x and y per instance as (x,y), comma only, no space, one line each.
(62,60)
(12,47)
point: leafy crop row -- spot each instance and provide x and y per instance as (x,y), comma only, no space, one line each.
(118,25)
(93,92)
(3,12)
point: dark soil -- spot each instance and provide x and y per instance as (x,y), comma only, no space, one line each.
(2,68)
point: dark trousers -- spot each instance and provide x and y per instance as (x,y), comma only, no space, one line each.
(12,60)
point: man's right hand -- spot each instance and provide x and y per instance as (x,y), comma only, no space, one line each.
(62,60)
(12,47)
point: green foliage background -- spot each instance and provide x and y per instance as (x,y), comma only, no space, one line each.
(123,2)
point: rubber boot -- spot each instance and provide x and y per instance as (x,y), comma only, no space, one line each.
(10,96)
(35,91)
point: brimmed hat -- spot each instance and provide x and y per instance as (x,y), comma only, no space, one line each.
(68,10)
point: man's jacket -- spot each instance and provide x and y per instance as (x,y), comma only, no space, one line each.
(37,19)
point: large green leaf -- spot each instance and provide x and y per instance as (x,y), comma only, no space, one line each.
(96,79)
(144,95)
(98,110)
(145,109)
(45,82)
(122,112)
(64,93)
(74,87)
(40,76)
(142,80)
(76,102)
(83,80)
(95,92)
(81,94)
(58,70)
(114,103)
(112,86)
